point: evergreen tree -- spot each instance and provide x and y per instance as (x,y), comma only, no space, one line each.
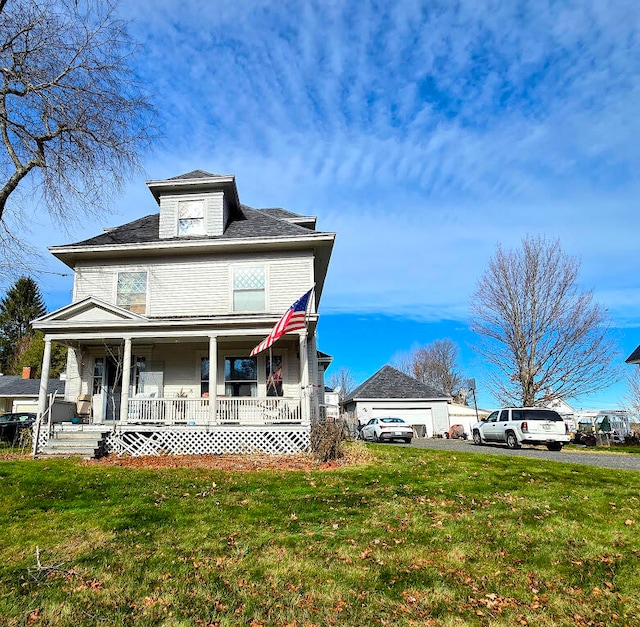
(29,352)
(22,304)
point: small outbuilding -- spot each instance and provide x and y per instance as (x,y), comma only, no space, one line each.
(390,392)
(20,394)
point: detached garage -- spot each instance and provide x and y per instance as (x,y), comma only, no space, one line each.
(390,392)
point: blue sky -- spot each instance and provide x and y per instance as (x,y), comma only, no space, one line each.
(422,133)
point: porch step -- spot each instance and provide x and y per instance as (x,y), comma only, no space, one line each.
(88,444)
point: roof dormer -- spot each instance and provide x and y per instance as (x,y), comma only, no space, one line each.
(196,204)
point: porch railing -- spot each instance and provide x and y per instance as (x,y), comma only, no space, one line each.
(232,411)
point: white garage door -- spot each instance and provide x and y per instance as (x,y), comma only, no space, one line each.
(421,419)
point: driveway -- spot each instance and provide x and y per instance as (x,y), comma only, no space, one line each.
(618,461)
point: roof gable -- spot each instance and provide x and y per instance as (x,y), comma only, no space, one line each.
(90,309)
(390,383)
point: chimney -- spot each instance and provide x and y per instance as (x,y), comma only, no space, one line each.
(28,372)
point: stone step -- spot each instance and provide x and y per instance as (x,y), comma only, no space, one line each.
(78,435)
(87,453)
(88,444)
(94,443)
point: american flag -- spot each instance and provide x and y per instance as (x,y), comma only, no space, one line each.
(293,319)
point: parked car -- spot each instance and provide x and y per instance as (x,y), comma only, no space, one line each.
(12,423)
(386,429)
(516,426)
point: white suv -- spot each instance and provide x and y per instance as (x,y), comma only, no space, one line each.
(523,425)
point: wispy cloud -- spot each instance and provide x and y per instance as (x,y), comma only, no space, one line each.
(422,132)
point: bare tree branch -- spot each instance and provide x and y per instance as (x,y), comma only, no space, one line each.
(435,364)
(344,381)
(545,338)
(632,399)
(73,119)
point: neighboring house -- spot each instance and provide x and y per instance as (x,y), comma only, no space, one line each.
(18,394)
(331,403)
(390,392)
(634,358)
(173,303)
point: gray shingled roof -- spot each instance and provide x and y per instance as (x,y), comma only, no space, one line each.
(634,358)
(17,386)
(390,383)
(279,212)
(195,174)
(247,223)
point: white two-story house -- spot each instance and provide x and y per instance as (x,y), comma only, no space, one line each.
(165,313)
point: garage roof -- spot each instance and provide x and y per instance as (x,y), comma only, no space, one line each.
(390,383)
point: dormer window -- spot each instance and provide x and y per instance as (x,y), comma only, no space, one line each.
(191,218)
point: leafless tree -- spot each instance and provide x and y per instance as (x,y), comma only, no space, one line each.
(632,399)
(73,119)
(343,380)
(435,364)
(543,336)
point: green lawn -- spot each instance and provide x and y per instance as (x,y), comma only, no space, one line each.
(410,537)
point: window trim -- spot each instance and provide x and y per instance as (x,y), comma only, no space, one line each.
(236,355)
(204,217)
(115,289)
(242,266)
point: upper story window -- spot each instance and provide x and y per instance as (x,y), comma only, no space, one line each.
(191,217)
(248,288)
(132,291)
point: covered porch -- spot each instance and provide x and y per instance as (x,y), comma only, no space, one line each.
(181,378)
(186,381)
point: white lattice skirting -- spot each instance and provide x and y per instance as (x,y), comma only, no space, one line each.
(183,441)
(42,439)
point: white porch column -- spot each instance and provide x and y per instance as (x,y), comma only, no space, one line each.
(44,377)
(314,388)
(213,377)
(304,376)
(126,381)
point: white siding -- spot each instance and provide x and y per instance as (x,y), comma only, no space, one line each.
(214,218)
(196,288)
(73,385)
(289,279)
(95,281)
(201,286)
(168,217)
(214,213)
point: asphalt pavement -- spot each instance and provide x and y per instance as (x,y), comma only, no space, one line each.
(588,457)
